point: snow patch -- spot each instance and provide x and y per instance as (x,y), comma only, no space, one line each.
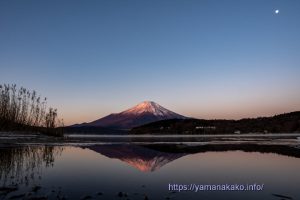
(152,108)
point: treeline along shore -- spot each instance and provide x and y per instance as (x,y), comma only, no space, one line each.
(283,123)
(26,111)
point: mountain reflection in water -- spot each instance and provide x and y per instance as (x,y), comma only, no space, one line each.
(149,158)
(86,170)
(144,159)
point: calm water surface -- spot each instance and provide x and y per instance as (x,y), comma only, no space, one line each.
(103,170)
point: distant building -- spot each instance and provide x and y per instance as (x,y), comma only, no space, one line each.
(205,127)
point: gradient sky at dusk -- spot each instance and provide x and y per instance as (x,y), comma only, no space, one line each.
(200,58)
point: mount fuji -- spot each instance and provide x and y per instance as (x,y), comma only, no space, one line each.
(143,113)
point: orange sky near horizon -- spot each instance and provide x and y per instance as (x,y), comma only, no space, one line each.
(221,111)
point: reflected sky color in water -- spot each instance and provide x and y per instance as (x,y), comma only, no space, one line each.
(80,171)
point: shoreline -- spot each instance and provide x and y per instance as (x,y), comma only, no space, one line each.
(9,139)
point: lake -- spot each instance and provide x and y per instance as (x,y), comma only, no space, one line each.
(95,167)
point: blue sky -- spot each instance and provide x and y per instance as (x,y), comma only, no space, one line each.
(205,59)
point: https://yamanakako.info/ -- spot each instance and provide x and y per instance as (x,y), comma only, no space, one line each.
(214,187)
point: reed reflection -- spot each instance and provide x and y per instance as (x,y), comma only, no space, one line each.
(21,165)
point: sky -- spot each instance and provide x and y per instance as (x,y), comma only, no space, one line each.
(200,58)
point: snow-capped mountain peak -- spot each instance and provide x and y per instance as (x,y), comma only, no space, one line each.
(149,107)
(142,113)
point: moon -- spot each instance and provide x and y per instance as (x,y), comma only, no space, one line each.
(276,11)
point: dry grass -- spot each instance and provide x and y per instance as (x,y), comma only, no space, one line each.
(24,110)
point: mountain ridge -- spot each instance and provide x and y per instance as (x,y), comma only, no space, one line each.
(282,123)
